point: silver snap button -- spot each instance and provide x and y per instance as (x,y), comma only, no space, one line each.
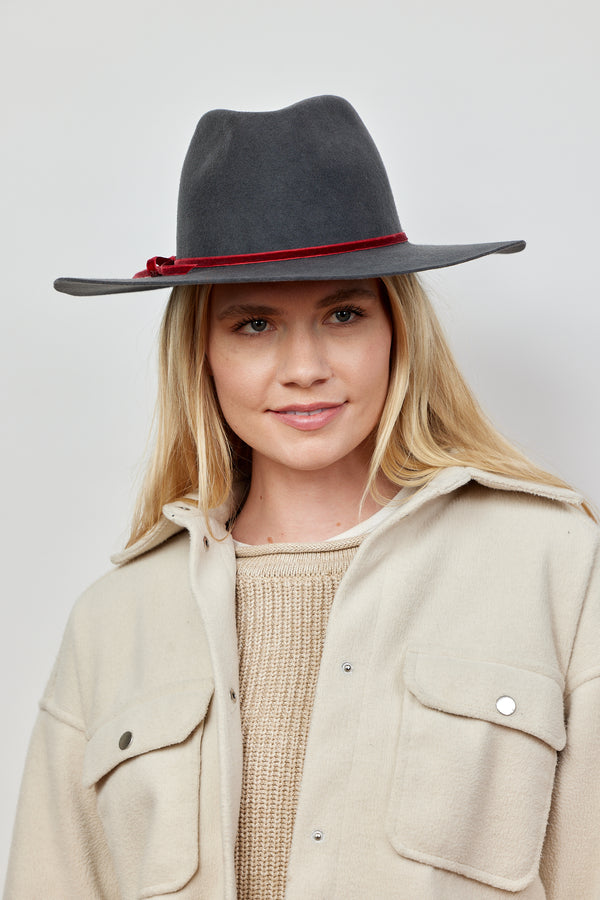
(506,706)
(233,695)
(347,667)
(317,836)
(206,542)
(125,740)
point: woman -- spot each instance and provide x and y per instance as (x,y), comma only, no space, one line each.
(353,630)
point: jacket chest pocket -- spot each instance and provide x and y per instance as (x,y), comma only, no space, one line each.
(475,767)
(145,765)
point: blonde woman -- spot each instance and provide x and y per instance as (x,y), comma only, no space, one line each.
(350,650)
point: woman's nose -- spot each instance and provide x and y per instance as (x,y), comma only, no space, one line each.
(303,360)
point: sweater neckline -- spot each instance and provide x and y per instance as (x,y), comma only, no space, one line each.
(327,546)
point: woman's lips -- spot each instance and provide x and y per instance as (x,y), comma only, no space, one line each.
(308,418)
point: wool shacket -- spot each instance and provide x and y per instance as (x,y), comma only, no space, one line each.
(284,593)
(479,587)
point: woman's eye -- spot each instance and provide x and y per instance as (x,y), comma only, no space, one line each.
(254,326)
(343,316)
(258,324)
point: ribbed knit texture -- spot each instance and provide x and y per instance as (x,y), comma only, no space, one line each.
(284,595)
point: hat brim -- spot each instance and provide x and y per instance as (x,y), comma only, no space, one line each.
(399,259)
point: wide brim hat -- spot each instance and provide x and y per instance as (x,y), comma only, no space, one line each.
(296,194)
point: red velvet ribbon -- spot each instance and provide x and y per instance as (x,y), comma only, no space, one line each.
(170,265)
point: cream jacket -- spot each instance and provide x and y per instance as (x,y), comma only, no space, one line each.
(471,620)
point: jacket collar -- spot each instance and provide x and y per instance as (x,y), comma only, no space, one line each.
(181,514)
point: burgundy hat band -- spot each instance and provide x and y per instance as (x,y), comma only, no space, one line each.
(170,265)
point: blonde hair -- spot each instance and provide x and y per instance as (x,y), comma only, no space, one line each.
(430,419)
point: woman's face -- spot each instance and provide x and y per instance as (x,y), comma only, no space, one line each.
(301,369)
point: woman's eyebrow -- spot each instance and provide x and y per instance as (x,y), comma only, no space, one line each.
(345,294)
(259,309)
(248,309)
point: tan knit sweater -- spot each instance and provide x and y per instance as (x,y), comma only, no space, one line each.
(284,594)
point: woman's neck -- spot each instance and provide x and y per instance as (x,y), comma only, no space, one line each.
(292,506)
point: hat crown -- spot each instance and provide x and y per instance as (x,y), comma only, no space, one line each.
(303,176)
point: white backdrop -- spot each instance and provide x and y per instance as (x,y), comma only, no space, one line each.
(487,118)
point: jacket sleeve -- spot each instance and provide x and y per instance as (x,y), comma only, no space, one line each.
(570,867)
(58,851)
(571,858)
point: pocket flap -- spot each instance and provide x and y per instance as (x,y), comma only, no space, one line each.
(159,721)
(532,702)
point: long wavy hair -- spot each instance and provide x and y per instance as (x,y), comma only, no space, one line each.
(430,419)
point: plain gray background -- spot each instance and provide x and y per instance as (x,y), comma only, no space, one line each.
(487,119)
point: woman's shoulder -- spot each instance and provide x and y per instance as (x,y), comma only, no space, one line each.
(139,600)
(502,516)
(480,495)
(516,499)
(148,592)
(140,575)
(132,632)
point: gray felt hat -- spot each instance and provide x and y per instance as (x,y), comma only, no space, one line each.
(295,194)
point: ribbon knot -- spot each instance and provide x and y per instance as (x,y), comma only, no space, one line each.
(155,266)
